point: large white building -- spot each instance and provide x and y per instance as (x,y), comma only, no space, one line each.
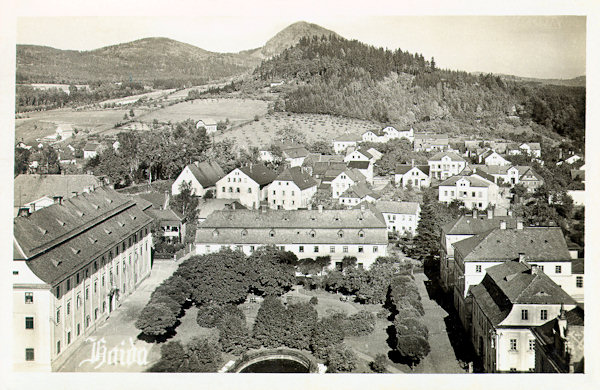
(445,164)
(474,191)
(202,177)
(306,233)
(248,185)
(344,141)
(416,176)
(386,134)
(291,190)
(512,298)
(400,217)
(344,180)
(73,263)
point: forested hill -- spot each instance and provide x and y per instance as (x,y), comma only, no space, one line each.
(342,77)
(144,60)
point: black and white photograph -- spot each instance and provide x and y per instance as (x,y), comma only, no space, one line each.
(226,190)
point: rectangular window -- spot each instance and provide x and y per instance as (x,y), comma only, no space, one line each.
(28,322)
(58,315)
(558,269)
(375,249)
(361,249)
(543,314)
(531,344)
(78,329)
(57,291)
(77,278)
(345,249)
(68,338)
(579,281)
(87,293)
(331,249)
(68,284)
(301,249)
(524,315)
(28,297)
(29,354)
(102,280)
(478,268)
(316,249)
(95,286)
(58,347)
(360,266)
(68,307)
(513,344)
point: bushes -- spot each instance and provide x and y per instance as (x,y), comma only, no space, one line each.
(327,332)
(271,321)
(379,365)
(209,316)
(199,355)
(340,358)
(359,324)
(301,320)
(314,301)
(233,334)
(155,319)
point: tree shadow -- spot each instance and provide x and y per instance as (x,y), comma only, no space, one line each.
(459,340)
(158,339)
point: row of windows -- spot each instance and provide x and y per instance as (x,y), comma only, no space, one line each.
(237,190)
(283,192)
(513,345)
(238,180)
(316,249)
(525,314)
(392,217)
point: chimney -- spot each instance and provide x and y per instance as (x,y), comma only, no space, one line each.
(490,213)
(522,260)
(362,207)
(74,193)
(233,206)
(509,212)
(503,225)
(320,208)
(561,321)
(412,162)
(519,225)
(57,199)
(475,215)
(23,212)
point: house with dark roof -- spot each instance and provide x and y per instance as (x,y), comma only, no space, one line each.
(461,228)
(364,167)
(491,157)
(445,164)
(400,217)
(559,343)
(316,164)
(170,224)
(208,123)
(343,180)
(427,142)
(543,247)
(34,192)
(292,189)
(342,142)
(91,150)
(73,264)
(248,185)
(416,176)
(306,233)
(512,298)
(202,176)
(208,206)
(360,154)
(294,156)
(475,191)
(357,193)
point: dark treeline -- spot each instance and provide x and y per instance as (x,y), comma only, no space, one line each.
(342,77)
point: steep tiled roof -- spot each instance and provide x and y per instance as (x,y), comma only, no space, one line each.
(295,152)
(364,152)
(537,243)
(453,156)
(534,145)
(293,226)
(347,138)
(329,169)
(259,173)
(164,215)
(28,188)
(377,132)
(474,181)
(578,266)
(468,225)
(208,206)
(295,174)
(354,174)
(59,239)
(386,206)
(359,191)
(207,173)
(359,164)
(157,199)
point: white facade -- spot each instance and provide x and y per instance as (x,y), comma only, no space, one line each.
(285,194)
(472,196)
(237,185)
(340,184)
(339,146)
(496,159)
(187,176)
(87,154)
(445,167)
(62,319)
(209,124)
(415,177)
(387,134)
(401,223)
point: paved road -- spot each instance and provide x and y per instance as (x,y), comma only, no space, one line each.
(441,359)
(117,330)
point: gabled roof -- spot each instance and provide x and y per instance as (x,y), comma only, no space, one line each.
(208,206)
(537,243)
(578,266)
(362,151)
(91,147)
(377,132)
(392,207)
(401,169)
(353,174)
(376,154)
(512,283)
(207,122)
(359,191)
(530,171)
(332,173)
(157,199)
(432,136)
(359,164)
(207,173)
(295,174)
(466,224)
(347,138)
(453,156)
(296,152)
(533,145)
(259,173)
(474,181)
(164,215)
(28,188)
(59,239)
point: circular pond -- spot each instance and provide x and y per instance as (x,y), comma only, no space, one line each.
(276,366)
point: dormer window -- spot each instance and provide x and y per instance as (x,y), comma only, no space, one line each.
(244,233)
(361,233)
(272,233)
(215,233)
(340,233)
(313,233)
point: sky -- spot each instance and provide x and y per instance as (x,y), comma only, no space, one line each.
(528,46)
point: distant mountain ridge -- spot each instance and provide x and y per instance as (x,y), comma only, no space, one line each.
(579,81)
(149,59)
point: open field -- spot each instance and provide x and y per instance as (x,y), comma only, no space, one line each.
(218,109)
(42,123)
(155,95)
(314,126)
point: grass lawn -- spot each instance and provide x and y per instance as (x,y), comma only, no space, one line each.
(315,127)
(189,328)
